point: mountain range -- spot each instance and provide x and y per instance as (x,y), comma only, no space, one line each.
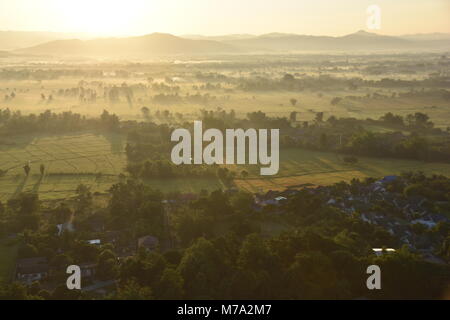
(12,40)
(161,44)
(155,44)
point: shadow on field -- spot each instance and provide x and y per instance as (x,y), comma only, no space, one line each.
(38,184)
(116,141)
(20,187)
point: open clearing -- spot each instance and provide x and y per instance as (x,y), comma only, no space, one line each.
(97,160)
(69,160)
(299,167)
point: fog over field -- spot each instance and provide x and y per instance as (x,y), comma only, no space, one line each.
(355,99)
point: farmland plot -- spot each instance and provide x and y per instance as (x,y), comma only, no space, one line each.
(299,167)
(69,160)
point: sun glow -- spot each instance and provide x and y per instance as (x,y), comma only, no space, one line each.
(104,17)
(214,17)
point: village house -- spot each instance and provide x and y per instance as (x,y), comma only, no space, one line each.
(32,269)
(148,243)
(188,197)
(273,198)
(381,251)
(88,270)
(96,242)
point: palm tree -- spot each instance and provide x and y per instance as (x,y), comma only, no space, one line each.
(27,169)
(294,102)
(146,112)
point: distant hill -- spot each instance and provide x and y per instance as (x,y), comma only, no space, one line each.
(284,42)
(137,47)
(160,44)
(360,40)
(12,40)
(427,36)
(228,37)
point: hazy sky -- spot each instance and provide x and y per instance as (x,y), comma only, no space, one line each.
(214,17)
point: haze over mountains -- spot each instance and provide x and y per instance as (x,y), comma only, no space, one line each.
(139,47)
(12,40)
(160,44)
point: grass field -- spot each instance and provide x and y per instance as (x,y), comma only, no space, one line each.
(97,161)
(69,160)
(303,167)
(8,255)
